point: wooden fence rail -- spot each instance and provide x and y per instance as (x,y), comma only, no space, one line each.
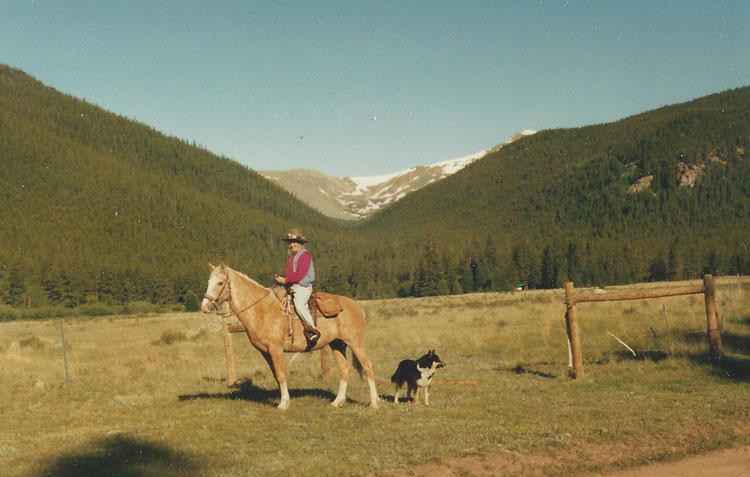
(708,289)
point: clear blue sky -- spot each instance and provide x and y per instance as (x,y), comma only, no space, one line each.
(373,87)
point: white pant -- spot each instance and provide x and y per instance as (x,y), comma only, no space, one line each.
(301,295)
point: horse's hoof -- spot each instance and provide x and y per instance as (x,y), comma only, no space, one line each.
(336,404)
(283,406)
(374,405)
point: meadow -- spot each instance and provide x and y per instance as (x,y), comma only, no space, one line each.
(146,394)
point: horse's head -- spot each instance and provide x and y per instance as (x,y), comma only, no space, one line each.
(218,290)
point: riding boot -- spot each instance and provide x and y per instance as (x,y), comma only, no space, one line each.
(311,334)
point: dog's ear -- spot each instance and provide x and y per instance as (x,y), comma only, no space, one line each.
(430,353)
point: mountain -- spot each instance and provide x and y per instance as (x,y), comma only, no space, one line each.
(353,198)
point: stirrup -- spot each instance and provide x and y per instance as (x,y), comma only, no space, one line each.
(311,334)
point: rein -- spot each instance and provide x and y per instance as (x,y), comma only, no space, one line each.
(255,302)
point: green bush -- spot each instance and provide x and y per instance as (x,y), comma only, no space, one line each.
(191,303)
(170,337)
(31,342)
(8,313)
(96,309)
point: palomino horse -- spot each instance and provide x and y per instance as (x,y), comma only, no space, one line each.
(268,328)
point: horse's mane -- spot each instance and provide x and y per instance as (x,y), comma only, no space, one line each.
(245,277)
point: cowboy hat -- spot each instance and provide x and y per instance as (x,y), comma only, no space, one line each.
(294,235)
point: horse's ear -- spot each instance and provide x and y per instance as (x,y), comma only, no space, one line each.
(223,267)
(210,267)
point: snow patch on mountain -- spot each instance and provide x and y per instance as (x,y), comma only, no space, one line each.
(353,198)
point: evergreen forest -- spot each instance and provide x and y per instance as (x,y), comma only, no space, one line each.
(99,208)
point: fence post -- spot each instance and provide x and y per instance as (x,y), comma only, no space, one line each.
(65,358)
(572,326)
(714,338)
(231,376)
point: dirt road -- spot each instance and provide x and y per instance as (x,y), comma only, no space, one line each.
(726,463)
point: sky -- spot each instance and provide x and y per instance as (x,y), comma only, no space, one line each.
(358,88)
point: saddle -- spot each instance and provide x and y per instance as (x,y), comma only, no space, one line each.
(320,303)
(327,303)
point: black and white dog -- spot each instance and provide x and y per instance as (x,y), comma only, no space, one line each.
(417,375)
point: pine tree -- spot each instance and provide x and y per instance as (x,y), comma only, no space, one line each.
(658,269)
(673,262)
(16,284)
(548,270)
(429,271)
(573,264)
(191,302)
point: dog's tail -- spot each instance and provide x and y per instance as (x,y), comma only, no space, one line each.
(396,376)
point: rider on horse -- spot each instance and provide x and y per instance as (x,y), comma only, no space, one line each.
(300,274)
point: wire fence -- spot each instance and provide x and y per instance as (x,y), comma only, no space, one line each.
(643,343)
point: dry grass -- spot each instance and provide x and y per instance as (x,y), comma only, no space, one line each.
(147,394)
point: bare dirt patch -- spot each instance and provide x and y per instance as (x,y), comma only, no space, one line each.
(482,465)
(725,463)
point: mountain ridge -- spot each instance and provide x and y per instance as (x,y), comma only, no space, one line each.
(353,198)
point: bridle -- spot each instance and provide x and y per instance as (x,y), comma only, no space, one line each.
(225,294)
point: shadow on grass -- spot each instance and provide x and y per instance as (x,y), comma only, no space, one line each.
(734,367)
(735,343)
(520,369)
(123,456)
(641,355)
(389,398)
(401,400)
(735,360)
(734,364)
(247,391)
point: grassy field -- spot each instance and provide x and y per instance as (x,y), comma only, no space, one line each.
(147,394)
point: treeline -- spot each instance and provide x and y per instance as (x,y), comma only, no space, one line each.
(99,209)
(432,268)
(427,270)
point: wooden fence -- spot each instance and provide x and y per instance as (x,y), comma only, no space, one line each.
(708,289)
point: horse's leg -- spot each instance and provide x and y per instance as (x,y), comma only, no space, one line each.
(361,355)
(275,359)
(339,354)
(267,357)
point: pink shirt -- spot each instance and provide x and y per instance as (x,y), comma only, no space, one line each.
(303,266)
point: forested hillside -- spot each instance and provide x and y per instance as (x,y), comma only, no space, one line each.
(95,207)
(555,206)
